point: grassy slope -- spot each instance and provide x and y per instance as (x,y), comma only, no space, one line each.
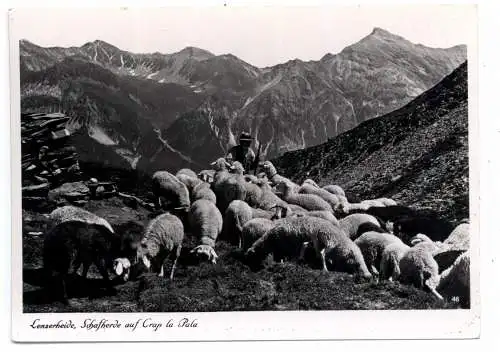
(417,155)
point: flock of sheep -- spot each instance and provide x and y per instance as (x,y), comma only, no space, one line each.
(266,214)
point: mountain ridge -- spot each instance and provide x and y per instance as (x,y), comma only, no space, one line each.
(288,106)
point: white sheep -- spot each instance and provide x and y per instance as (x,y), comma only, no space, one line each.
(455,281)
(323,214)
(168,186)
(334,189)
(221,168)
(309,188)
(163,237)
(419,268)
(203,191)
(206,176)
(274,177)
(238,213)
(348,208)
(372,245)
(373,203)
(269,199)
(190,182)
(351,223)
(306,201)
(459,238)
(253,191)
(386,201)
(254,229)
(290,238)
(391,256)
(205,222)
(229,188)
(187,172)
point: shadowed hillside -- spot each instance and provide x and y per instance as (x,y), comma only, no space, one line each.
(417,155)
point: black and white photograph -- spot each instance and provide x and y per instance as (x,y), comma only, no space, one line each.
(230,159)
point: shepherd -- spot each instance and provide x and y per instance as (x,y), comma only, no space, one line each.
(243,153)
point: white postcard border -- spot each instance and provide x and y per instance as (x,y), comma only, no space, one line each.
(290,325)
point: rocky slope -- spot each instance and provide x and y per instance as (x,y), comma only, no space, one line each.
(417,155)
(123,96)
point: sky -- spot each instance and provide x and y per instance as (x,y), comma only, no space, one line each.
(261,36)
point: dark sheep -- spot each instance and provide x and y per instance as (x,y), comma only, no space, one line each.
(436,229)
(73,243)
(368,226)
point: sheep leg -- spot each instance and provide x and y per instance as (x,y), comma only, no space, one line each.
(158,203)
(323,260)
(434,292)
(174,265)
(76,265)
(64,290)
(85,269)
(303,250)
(101,265)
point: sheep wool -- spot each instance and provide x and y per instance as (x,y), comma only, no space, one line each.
(459,238)
(189,181)
(334,189)
(274,177)
(238,212)
(419,268)
(72,213)
(455,281)
(255,229)
(252,191)
(187,172)
(205,221)
(351,223)
(289,238)
(391,256)
(332,199)
(167,185)
(372,245)
(203,191)
(323,214)
(269,199)
(230,188)
(164,235)
(306,201)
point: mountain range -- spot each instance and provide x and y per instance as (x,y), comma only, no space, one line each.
(185,109)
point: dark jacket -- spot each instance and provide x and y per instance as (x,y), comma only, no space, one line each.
(247,159)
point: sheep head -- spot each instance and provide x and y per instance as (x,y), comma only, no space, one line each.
(419,238)
(237,168)
(280,211)
(220,164)
(205,251)
(121,267)
(269,169)
(310,182)
(282,188)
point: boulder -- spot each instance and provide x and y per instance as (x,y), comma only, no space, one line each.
(71,191)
